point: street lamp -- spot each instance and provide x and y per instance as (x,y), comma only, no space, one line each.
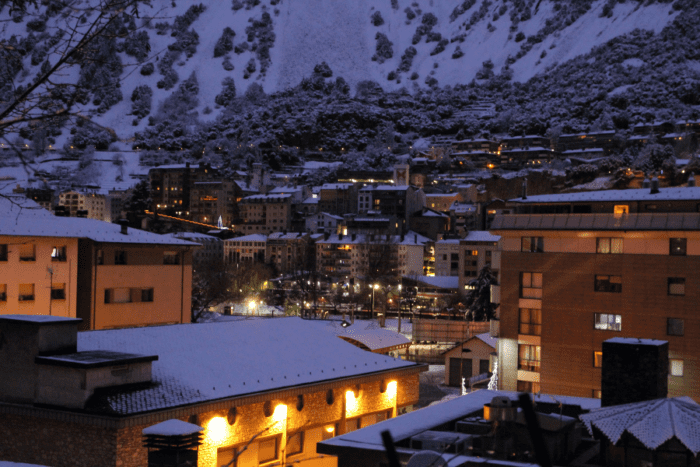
(374,287)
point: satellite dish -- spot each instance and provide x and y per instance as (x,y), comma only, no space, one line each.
(426,459)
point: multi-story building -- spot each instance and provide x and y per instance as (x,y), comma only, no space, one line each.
(90,205)
(399,201)
(210,251)
(107,275)
(323,222)
(571,281)
(447,257)
(338,198)
(476,251)
(214,200)
(441,201)
(264,214)
(526,156)
(289,252)
(598,139)
(368,256)
(247,249)
(485,145)
(525,141)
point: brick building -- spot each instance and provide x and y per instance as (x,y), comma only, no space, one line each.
(571,281)
(264,214)
(70,399)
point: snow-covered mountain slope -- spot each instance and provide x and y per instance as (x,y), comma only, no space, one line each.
(528,35)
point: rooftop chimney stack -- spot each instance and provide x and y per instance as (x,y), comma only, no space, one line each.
(634,370)
(691,179)
(646,183)
(125,226)
(654,185)
(525,188)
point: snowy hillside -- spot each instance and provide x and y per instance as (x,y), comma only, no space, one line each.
(277,43)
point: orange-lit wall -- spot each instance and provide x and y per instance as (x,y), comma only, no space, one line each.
(42,273)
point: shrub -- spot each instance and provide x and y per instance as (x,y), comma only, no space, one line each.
(377,19)
(228,93)
(141,101)
(225,42)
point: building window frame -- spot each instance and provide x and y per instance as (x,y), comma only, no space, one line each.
(3,251)
(678,246)
(26,293)
(265,442)
(58,253)
(120,257)
(609,245)
(230,452)
(529,357)
(27,252)
(531,285)
(607,283)
(598,359)
(3,292)
(675,327)
(607,322)
(291,444)
(532,244)
(58,291)
(676,286)
(171,257)
(530,321)
(675,367)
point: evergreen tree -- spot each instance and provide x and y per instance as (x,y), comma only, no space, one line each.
(479,297)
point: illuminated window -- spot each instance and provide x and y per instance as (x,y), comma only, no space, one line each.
(268,450)
(609,245)
(528,357)
(26,292)
(597,394)
(608,322)
(675,327)
(620,209)
(675,367)
(608,284)
(528,386)
(352,425)
(27,252)
(677,246)
(58,253)
(676,286)
(530,322)
(225,456)
(530,285)
(3,252)
(329,431)
(598,359)
(120,257)
(532,244)
(58,291)
(295,443)
(3,292)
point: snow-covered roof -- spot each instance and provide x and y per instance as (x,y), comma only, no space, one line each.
(311,200)
(336,186)
(527,149)
(285,236)
(194,236)
(267,197)
(579,151)
(481,236)
(202,362)
(327,214)
(248,238)
(30,220)
(488,339)
(384,188)
(448,241)
(441,195)
(636,194)
(636,341)
(411,238)
(652,423)
(172,427)
(606,221)
(369,334)
(443,282)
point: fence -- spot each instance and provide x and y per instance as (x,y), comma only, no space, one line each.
(446,331)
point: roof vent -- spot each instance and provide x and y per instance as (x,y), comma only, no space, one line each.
(654,185)
(646,183)
(691,179)
(125,226)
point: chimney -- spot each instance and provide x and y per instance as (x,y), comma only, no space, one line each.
(174,442)
(646,183)
(125,225)
(524,194)
(691,179)
(654,185)
(634,370)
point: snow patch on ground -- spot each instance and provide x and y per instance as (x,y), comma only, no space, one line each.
(600,183)
(633,63)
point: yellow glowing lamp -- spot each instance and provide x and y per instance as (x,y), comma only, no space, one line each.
(391,389)
(280,413)
(216,430)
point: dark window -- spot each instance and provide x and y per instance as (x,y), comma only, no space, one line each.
(146,295)
(528,386)
(530,322)
(120,257)
(484,366)
(608,284)
(674,327)
(677,246)
(100,257)
(295,443)
(171,257)
(3,252)
(3,292)
(676,286)
(532,244)
(27,252)
(58,292)
(58,253)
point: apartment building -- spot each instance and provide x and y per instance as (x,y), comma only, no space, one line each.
(571,281)
(214,200)
(90,205)
(264,214)
(399,201)
(108,275)
(245,249)
(323,222)
(289,252)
